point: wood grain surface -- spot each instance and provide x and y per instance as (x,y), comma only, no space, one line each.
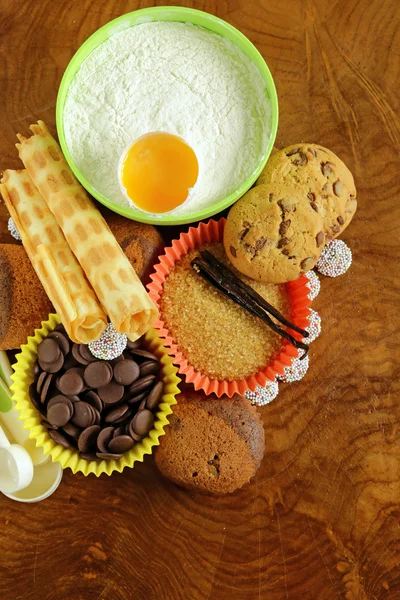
(321,519)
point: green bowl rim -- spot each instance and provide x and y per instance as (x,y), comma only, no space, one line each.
(187,14)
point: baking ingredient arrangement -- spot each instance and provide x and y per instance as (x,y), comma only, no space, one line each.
(114,346)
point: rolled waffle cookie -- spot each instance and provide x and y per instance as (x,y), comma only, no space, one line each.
(141,243)
(113,278)
(55,264)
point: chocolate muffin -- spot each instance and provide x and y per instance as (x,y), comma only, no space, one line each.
(211,445)
(23,301)
(240,414)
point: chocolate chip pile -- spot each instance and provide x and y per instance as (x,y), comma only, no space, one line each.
(99,407)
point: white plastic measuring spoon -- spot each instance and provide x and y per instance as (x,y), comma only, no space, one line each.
(9,417)
(14,429)
(46,480)
(26,474)
(16,467)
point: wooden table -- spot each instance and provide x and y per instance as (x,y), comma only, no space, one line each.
(321,518)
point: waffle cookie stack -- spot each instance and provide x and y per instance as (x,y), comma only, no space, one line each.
(122,294)
(52,258)
(80,264)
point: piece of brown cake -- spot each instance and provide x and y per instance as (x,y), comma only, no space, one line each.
(211,445)
(23,301)
(240,414)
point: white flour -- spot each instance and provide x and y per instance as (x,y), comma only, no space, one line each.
(172,77)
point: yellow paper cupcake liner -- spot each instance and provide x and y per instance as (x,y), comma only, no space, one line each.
(69,458)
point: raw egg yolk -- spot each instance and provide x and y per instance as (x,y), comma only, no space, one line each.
(158,170)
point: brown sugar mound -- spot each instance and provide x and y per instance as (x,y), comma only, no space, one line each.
(23,301)
(209,448)
(216,336)
(141,243)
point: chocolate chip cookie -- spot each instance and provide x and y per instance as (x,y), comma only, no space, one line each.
(325,181)
(273,235)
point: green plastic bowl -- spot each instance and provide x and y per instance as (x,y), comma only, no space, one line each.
(185,15)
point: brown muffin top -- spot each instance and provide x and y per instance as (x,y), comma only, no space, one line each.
(23,301)
(211,445)
(202,452)
(5,294)
(240,414)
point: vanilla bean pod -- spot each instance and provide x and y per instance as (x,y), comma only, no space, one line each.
(210,258)
(230,289)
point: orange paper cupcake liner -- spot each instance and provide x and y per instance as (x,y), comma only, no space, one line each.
(298,298)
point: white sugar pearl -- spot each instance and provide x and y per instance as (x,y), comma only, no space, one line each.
(296,371)
(335,259)
(263,394)
(12,228)
(314,327)
(110,345)
(313,284)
